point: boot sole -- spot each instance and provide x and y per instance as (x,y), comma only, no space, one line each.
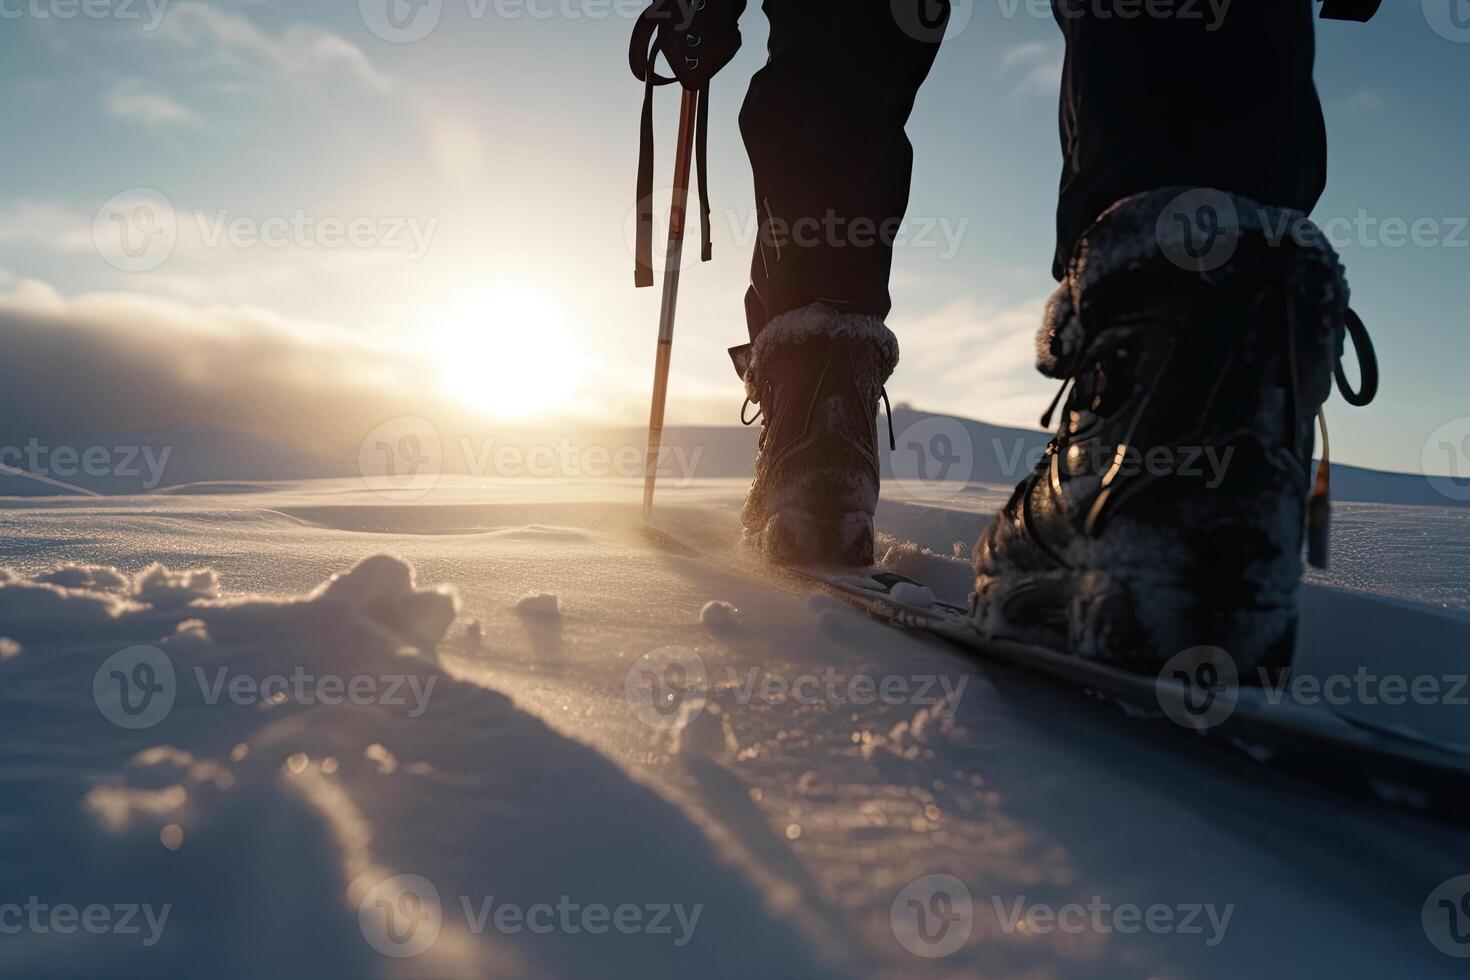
(805,540)
(1132,622)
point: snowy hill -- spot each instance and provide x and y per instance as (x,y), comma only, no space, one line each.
(346,745)
(930,447)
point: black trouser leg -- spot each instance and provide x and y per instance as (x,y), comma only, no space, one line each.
(824,125)
(1221,100)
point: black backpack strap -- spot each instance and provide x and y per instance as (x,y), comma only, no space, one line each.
(643,255)
(701,152)
(696,38)
(642,53)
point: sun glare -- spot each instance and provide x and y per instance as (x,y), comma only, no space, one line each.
(507,351)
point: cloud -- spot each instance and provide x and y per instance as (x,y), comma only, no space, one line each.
(1036,65)
(230,42)
(975,360)
(210,253)
(118,363)
(240,393)
(44,223)
(131,101)
(1361,101)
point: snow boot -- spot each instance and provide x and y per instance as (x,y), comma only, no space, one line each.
(817,375)
(1170,508)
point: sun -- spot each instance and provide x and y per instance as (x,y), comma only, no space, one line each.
(506,351)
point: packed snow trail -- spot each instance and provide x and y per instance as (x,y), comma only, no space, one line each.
(804,814)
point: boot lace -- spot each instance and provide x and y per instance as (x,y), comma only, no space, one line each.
(761,412)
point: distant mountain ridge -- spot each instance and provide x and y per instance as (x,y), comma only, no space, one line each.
(951,447)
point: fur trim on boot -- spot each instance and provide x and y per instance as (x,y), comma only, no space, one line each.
(817,374)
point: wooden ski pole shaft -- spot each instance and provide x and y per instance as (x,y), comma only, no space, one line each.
(688,112)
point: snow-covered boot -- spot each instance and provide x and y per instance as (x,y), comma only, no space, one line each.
(1170,508)
(817,374)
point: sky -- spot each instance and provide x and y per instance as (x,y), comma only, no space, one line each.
(465,198)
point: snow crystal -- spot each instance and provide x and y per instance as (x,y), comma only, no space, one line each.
(386,761)
(702,731)
(8,648)
(372,607)
(190,637)
(370,579)
(913,595)
(97,578)
(160,588)
(717,614)
(539,605)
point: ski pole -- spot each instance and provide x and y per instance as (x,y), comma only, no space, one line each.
(688,115)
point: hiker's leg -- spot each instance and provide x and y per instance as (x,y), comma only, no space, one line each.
(824,125)
(1216,99)
(1200,317)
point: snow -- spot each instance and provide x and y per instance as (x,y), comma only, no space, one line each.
(914,595)
(718,615)
(495,753)
(703,733)
(541,605)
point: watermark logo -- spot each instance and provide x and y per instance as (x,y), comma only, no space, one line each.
(1450,19)
(1199,230)
(1448,447)
(933,21)
(1446,917)
(39,918)
(665,683)
(301,229)
(1198,688)
(1365,688)
(677,920)
(779,236)
(402,458)
(69,10)
(401,21)
(1105,918)
(138,687)
(932,456)
(938,692)
(401,916)
(409,691)
(1211,13)
(933,916)
(135,688)
(136,230)
(56,464)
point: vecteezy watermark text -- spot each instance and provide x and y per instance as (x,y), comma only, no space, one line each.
(403,458)
(832,687)
(300,687)
(1199,688)
(39,918)
(672,683)
(139,229)
(403,916)
(1103,918)
(137,688)
(66,10)
(1367,688)
(69,462)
